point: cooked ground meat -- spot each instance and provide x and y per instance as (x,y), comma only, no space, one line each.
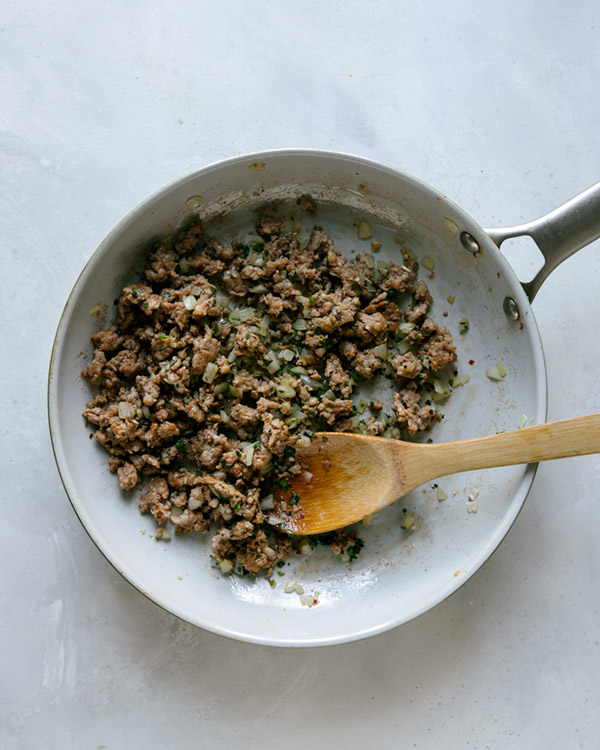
(226,353)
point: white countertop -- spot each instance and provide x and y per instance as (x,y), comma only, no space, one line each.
(495,104)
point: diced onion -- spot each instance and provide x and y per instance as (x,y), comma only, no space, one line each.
(405,328)
(428,263)
(258,289)
(210,372)
(381,351)
(329,395)
(273,365)
(452,225)
(95,309)
(308,600)
(399,239)
(194,202)
(441,495)
(299,325)
(408,522)
(304,442)
(306,549)
(287,355)
(268,503)
(438,386)
(190,302)
(226,566)
(248,454)
(367,521)
(235,392)
(361,406)
(298,589)
(289,587)
(493,373)
(310,382)
(241,316)
(196,290)
(320,351)
(221,388)
(223,299)
(125,410)
(284,389)
(365,230)
(146,411)
(369,260)
(522,421)
(501,369)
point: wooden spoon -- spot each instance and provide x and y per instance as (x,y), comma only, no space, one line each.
(347,477)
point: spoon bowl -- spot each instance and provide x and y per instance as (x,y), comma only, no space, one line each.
(346,477)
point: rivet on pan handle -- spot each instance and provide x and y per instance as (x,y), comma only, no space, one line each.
(559,233)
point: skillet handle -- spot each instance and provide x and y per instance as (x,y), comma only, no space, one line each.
(559,233)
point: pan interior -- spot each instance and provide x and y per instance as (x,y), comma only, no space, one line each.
(401,572)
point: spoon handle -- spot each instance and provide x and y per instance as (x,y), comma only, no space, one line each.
(568,437)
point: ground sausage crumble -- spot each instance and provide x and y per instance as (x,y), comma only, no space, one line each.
(223,355)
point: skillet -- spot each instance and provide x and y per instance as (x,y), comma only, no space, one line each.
(401,572)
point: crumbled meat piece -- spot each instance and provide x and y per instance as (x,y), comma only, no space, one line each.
(248,344)
(331,410)
(339,380)
(205,351)
(366,364)
(371,327)
(162,265)
(269,227)
(128,476)
(93,372)
(148,390)
(406,366)
(155,499)
(107,341)
(399,278)
(319,243)
(245,417)
(410,413)
(252,552)
(439,349)
(275,433)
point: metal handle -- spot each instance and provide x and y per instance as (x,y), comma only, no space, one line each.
(559,233)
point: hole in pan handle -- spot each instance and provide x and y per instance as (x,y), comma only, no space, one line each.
(558,234)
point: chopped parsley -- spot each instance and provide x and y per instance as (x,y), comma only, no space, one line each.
(294,498)
(355,549)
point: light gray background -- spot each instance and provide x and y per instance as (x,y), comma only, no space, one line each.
(497,105)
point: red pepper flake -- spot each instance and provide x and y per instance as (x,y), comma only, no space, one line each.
(91,435)
(471,361)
